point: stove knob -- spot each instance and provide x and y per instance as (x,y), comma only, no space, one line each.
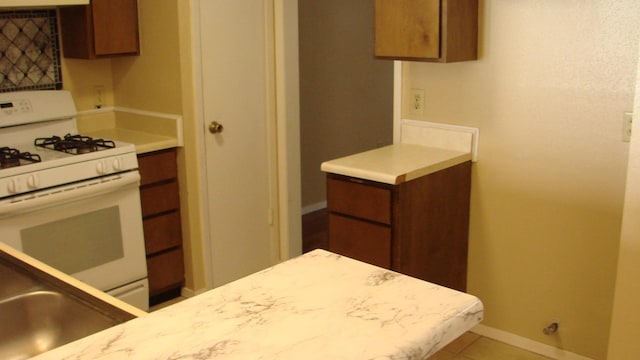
(12,186)
(101,167)
(33,182)
(117,164)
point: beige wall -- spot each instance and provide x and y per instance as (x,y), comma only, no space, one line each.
(85,78)
(548,95)
(624,342)
(154,81)
(345,94)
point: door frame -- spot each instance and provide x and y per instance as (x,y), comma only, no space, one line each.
(287,112)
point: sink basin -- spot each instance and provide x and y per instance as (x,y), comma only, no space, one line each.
(38,321)
(39,313)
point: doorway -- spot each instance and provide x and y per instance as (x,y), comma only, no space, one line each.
(346,97)
(247,63)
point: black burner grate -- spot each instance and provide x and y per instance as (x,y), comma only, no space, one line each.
(12,157)
(74,144)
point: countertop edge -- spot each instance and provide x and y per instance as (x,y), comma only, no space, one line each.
(361,174)
(72,281)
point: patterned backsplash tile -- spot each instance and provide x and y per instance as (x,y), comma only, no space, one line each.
(29,51)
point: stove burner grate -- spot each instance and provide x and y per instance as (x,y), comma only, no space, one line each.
(10,157)
(74,144)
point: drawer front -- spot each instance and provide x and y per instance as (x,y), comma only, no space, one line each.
(158,166)
(360,240)
(166,271)
(162,232)
(350,197)
(159,198)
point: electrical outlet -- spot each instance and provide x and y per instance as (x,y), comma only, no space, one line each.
(416,98)
(98,92)
(626,126)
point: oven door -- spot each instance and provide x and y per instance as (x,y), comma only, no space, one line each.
(91,230)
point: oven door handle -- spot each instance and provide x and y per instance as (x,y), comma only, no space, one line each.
(70,193)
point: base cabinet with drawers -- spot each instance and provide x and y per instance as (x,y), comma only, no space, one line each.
(160,202)
(418,227)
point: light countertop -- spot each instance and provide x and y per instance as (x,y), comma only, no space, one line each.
(145,142)
(395,163)
(148,131)
(317,306)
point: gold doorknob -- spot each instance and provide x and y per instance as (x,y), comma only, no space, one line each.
(215,127)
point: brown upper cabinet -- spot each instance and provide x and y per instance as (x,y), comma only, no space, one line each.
(426,30)
(105,28)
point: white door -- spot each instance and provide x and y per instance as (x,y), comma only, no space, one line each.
(236,40)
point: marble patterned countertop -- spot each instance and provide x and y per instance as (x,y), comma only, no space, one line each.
(317,306)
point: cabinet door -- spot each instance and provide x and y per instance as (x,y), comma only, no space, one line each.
(162,232)
(115,25)
(426,30)
(103,29)
(165,271)
(156,199)
(157,166)
(407,28)
(360,240)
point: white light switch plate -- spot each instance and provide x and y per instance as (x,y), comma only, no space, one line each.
(626,126)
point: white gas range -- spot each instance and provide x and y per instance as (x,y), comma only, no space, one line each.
(69,200)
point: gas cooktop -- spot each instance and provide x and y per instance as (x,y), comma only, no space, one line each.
(40,146)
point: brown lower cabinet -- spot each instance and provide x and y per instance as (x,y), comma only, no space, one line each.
(160,202)
(419,227)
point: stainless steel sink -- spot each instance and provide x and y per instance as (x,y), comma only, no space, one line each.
(39,312)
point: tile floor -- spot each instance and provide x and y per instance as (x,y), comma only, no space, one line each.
(471,346)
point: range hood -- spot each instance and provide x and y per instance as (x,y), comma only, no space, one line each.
(40,3)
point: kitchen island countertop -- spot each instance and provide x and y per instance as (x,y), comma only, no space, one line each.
(317,306)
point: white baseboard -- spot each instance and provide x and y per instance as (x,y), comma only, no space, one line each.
(526,344)
(314,207)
